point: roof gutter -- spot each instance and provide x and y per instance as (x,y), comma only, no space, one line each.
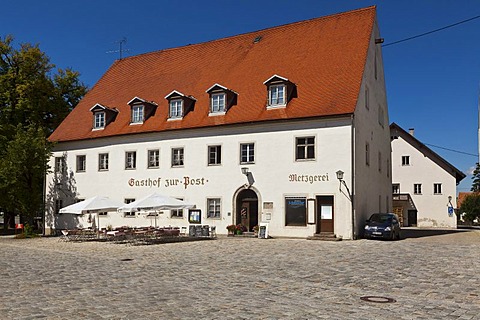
(352,187)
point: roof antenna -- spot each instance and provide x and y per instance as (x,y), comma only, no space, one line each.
(121,49)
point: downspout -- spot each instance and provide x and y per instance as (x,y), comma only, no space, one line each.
(352,187)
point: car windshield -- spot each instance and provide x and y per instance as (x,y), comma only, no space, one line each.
(377,217)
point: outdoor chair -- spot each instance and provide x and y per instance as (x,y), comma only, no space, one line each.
(213,231)
(64,236)
(183,231)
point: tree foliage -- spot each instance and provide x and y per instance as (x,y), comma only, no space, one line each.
(34,99)
(471,207)
(476,179)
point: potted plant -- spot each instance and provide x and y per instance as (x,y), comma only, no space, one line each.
(231,229)
(255,230)
(240,229)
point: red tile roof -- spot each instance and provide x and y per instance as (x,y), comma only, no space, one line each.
(324,57)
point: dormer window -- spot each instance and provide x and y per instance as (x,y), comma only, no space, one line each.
(179,105)
(141,110)
(276,95)
(221,99)
(137,114)
(99,120)
(280,91)
(217,102)
(102,116)
(176,108)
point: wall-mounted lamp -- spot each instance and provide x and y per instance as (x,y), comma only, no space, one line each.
(340,174)
(249,176)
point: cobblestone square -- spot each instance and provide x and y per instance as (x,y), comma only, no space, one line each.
(431,277)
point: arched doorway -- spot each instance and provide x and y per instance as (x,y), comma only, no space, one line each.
(246,212)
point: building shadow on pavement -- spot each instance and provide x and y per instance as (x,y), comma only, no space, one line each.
(409,233)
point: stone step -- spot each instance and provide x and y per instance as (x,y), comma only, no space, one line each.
(324,236)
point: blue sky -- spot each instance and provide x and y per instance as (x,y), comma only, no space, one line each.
(432,82)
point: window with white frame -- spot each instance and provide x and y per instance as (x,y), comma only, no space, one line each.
(176,108)
(396,188)
(129,214)
(417,188)
(367,153)
(60,164)
(217,102)
(214,207)
(99,120)
(177,157)
(177,213)
(295,211)
(276,95)
(388,168)
(247,153)
(379,161)
(405,160)
(103,162)
(367,98)
(437,188)
(381,116)
(214,155)
(81,163)
(153,159)
(130,160)
(305,148)
(137,114)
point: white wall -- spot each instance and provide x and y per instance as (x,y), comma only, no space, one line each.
(432,208)
(373,181)
(274,163)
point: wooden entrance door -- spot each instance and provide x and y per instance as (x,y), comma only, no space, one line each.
(325,214)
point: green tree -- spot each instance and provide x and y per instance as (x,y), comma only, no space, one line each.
(476,179)
(34,99)
(471,207)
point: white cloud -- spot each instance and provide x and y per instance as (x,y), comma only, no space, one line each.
(470,171)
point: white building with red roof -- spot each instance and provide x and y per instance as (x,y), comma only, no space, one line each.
(251,129)
(424,184)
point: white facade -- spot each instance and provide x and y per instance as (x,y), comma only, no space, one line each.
(428,180)
(276,173)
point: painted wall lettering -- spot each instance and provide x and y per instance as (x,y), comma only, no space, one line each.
(167,182)
(306,178)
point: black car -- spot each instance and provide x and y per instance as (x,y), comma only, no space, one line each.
(382,226)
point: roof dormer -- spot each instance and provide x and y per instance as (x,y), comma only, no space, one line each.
(102,116)
(221,99)
(179,105)
(280,91)
(141,110)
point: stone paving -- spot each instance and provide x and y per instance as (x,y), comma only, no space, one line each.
(435,277)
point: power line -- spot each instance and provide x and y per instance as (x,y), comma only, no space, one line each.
(430,32)
(468,154)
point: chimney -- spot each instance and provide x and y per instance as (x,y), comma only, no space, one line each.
(411,131)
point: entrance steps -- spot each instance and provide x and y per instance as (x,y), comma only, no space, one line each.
(324,236)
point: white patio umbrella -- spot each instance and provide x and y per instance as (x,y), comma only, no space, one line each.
(92,205)
(156,201)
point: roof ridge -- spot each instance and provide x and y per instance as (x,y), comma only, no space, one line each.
(344,13)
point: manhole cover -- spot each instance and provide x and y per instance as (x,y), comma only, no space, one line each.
(378,299)
(126,259)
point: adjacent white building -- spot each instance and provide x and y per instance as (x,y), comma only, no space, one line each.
(424,184)
(251,129)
